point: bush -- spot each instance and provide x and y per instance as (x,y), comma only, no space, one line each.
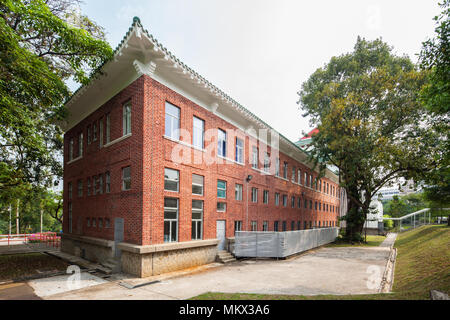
(388,224)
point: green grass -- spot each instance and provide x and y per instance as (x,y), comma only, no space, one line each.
(17,266)
(372,241)
(423,264)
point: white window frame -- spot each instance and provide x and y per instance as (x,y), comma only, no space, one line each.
(255,157)
(198,142)
(239,150)
(254,194)
(266,196)
(124,179)
(222,143)
(225,207)
(171,220)
(198,185)
(172,180)
(126,119)
(172,120)
(223,189)
(238,191)
(196,221)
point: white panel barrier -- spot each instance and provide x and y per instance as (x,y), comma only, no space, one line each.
(281,244)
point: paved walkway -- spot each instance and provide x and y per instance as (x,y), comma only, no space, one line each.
(389,241)
(342,270)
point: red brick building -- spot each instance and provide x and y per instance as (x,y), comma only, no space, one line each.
(157,160)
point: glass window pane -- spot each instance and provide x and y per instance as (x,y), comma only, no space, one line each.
(174,230)
(197,204)
(170,214)
(170,203)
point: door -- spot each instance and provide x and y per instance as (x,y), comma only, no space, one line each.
(220,232)
(118,236)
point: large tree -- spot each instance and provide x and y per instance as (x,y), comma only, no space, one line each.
(42,44)
(435,58)
(371,125)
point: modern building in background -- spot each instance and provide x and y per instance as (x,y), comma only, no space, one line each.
(161,167)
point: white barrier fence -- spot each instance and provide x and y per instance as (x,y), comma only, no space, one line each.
(259,244)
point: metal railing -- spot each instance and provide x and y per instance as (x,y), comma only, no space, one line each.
(267,244)
(40,239)
(412,220)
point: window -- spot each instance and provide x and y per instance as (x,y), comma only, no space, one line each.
(221,189)
(305,225)
(222,143)
(70,216)
(284,227)
(254,195)
(328,188)
(299,225)
(275,225)
(88,186)
(299,178)
(126,178)
(299,202)
(266,162)
(293,174)
(310,180)
(320,185)
(238,192)
(285,170)
(171,180)
(310,204)
(197,184)
(80,188)
(80,144)
(107,223)
(108,128)
(88,222)
(69,190)
(265,226)
(108,182)
(292,225)
(306,179)
(254,225)
(94,131)
(315,205)
(101,132)
(277,199)
(127,119)
(172,122)
(293,202)
(320,206)
(198,133)
(239,151)
(197,220)
(71,149)
(266,196)
(306,204)
(89,137)
(100,222)
(255,157)
(94,222)
(221,207)
(277,167)
(284,200)
(237,226)
(170,220)
(100,183)
(94,185)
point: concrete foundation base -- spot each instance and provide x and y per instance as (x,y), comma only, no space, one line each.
(92,249)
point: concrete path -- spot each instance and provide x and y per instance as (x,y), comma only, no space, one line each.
(389,241)
(341,270)
(17,291)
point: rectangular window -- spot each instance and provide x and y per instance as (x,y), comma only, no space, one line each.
(299,225)
(94,131)
(221,207)
(197,220)
(80,144)
(237,226)
(197,184)
(70,216)
(198,133)
(127,118)
(275,225)
(100,183)
(88,186)
(107,223)
(299,203)
(100,222)
(255,157)
(284,226)
(277,199)
(80,188)
(69,190)
(306,204)
(221,189)
(238,192)
(310,180)
(266,196)
(292,225)
(254,195)
(305,225)
(108,182)
(285,170)
(293,202)
(94,185)
(306,179)
(299,177)
(170,220)
(172,122)
(88,222)
(265,226)
(100,125)
(284,200)
(239,151)
(277,167)
(266,162)
(71,149)
(315,205)
(222,143)
(328,188)
(171,179)
(89,137)
(126,178)
(320,186)
(293,174)
(108,128)
(254,225)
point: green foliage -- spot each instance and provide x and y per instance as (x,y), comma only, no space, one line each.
(371,124)
(388,224)
(42,44)
(400,206)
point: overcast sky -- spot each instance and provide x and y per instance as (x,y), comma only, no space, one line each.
(260,52)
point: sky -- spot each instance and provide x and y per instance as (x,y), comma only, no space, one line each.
(260,52)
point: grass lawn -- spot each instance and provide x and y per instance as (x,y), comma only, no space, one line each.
(17,266)
(372,241)
(423,264)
